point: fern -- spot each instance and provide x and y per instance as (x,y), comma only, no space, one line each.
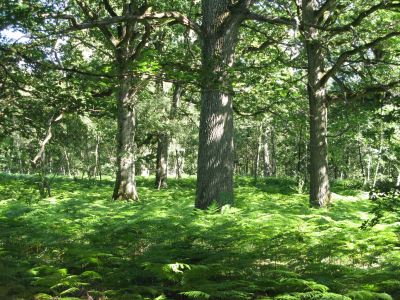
(196,295)
(271,246)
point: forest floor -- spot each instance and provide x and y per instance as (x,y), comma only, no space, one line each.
(78,243)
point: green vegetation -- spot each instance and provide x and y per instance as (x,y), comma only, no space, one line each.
(202,149)
(272,245)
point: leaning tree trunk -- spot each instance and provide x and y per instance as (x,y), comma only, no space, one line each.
(216,155)
(125,184)
(319,181)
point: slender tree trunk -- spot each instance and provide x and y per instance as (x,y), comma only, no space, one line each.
(99,159)
(163,141)
(267,155)
(360,157)
(176,100)
(299,153)
(178,163)
(257,158)
(299,175)
(378,165)
(162,160)
(398,177)
(368,178)
(96,170)
(317,96)
(381,140)
(50,157)
(68,166)
(125,184)
(163,136)
(216,152)
(336,171)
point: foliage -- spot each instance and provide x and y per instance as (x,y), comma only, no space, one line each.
(386,201)
(271,246)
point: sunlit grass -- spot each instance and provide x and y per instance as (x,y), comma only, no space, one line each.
(79,242)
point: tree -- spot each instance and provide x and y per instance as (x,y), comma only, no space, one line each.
(221,22)
(320,36)
(127,43)
(216,159)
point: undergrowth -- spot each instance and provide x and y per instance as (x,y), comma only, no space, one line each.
(80,244)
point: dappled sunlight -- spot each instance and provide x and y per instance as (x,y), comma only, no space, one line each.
(271,244)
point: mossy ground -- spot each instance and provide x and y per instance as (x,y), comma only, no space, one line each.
(271,245)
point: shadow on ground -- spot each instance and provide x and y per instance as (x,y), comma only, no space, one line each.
(80,243)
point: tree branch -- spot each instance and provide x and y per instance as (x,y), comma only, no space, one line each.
(270,20)
(147,15)
(357,21)
(47,138)
(325,7)
(343,57)
(107,33)
(142,43)
(369,91)
(109,8)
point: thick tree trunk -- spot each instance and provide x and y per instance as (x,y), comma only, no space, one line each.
(319,181)
(125,184)
(216,151)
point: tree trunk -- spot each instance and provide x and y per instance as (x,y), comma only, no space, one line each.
(398,177)
(162,161)
(319,181)
(97,164)
(216,152)
(125,184)
(176,100)
(178,164)
(267,155)
(68,166)
(360,157)
(257,158)
(273,168)
(163,140)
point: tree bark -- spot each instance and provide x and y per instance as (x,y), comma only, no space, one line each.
(215,167)
(273,152)
(68,167)
(97,164)
(125,184)
(176,100)
(163,140)
(178,164)
(398,177)
(267,154)
(257,157)
(317,96)
(162,160)
(360,157)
